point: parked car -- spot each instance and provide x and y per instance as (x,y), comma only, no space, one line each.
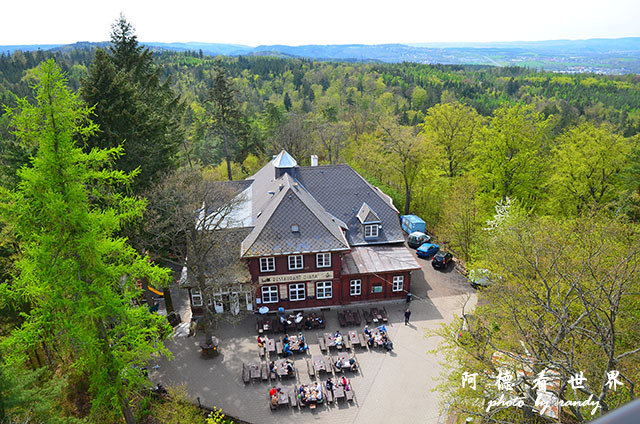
(482,278)
(427,250)
(442,260)
(417,238)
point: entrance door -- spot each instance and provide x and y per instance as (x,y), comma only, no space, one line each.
(235,303)
(217,303)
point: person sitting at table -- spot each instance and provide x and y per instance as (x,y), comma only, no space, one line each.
(290,369)
(367,331)
(286,339)
(339,364)
(287,350)
(352,363)
(317,391)
(274,391)
(319,321)
(283,321)
(272,367)
(344,383)
(338,338)
(261,341)
(329,384)
(371,340)
(308,323)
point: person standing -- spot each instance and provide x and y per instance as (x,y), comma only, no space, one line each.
(407,315)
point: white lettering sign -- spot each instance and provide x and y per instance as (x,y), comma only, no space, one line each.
(289,278)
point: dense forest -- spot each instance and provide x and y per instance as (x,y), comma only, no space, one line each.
(495,159)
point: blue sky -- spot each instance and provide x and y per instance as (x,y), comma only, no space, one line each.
(255,22)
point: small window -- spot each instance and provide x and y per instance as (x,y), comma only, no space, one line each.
(196,297)
(296,292)
(398,283)
(295,228)
(269,294)
(295,262)
(323,260)
(371,231)
(324,289)
(355,287)
(267,264)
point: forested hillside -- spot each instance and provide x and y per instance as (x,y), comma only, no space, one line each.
(474,150)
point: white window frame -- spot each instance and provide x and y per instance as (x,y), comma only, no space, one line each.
(195,294)
(355,286)
(323,260)
(267,295)
(268,264)
(398,283)
(369,231)
(324,287)
(296,265)
(297,289)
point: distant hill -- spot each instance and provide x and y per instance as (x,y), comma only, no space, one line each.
(608,56)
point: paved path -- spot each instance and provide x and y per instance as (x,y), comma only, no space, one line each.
(392,386)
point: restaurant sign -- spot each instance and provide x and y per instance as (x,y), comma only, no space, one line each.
(290,278)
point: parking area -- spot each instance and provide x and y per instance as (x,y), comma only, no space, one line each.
(388,387)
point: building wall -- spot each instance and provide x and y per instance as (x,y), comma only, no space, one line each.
(340,285)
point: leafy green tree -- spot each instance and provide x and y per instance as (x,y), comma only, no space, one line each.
(509,154)
(133,107)
(453,127)
(586,167)
(77,277)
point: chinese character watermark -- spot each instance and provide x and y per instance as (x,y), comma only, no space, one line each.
(469,379)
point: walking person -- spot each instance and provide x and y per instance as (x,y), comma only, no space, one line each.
(407,315)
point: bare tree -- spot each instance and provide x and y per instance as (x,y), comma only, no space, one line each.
(190,224)
(565,305)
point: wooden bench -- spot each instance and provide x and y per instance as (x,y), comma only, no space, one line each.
(385,317)
(293,396)
(272,376)
(264,371)
(323,345)
(363,343)
(356,318)
(341,319)
(310,368)
(346,341)
(349,393)
(328,394)
(367,316)
(330,364)
(262,351)
(279,347)
(246,376)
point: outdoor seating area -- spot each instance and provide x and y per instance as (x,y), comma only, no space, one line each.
(283,323)
(325,370)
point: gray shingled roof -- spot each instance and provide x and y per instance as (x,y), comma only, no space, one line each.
(377,259)
(367,215)
(342,191)
(292,205)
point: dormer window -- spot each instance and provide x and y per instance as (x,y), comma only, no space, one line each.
(371,231)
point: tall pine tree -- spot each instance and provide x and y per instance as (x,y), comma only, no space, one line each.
(76,275)
(132,106)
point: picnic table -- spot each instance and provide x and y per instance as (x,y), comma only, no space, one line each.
(319,364)
(329,340)
(295,343)
(271,345)
(349,318)
(377,316)
(283,399)
(343,359)
(282,369)
(353,337)
(254,371)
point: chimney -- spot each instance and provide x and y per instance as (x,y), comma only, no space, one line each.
(314,160)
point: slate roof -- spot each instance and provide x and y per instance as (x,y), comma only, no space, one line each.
(367,215)
(342,191)
(378,259)
(291,204)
